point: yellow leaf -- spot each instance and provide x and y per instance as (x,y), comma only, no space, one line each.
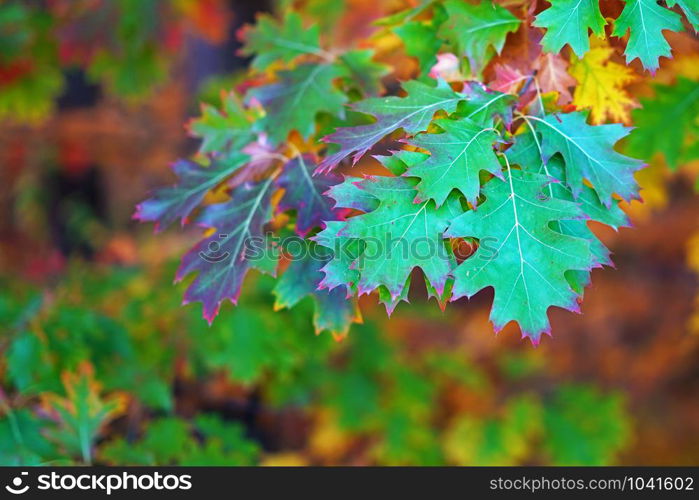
(601,85)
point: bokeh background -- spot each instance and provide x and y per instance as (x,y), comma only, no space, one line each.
(100,363)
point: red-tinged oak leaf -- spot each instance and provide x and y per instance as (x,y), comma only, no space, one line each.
(222,260)
(553,76)
(262,158)
(303,193)
(411,113)
(194,181)
(508,79)
(447,68)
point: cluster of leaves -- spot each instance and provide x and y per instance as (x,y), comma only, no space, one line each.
(126,45)
(86,380)
(509,163)
(568,22)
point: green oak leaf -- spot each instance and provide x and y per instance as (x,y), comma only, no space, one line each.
(82,413)
(333,310)
(577,279)
(588,151)
(526,152)
(400,161)
(690,9)
(443,297)
(568,22)
(474,29)
(270,40)
(420,37)
(391,302)
(680,103)
(421,42)
(294,101)
(223,259)
(412,113)
(646,21)
(400,235)
(229,128)
(338,270)
(348,194)
(361,71)
(457,157)
(519,255)
(483,105)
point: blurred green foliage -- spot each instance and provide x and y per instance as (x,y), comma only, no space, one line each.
(207,440)
(91,365)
